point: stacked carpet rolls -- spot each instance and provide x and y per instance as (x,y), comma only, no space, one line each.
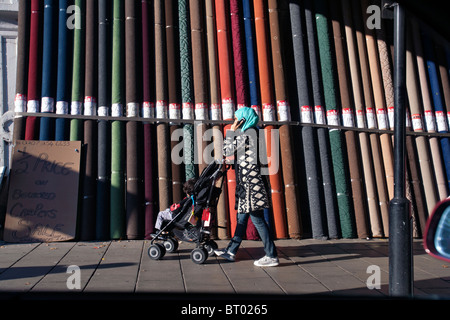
(151,87)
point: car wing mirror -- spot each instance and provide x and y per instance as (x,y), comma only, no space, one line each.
(437,233)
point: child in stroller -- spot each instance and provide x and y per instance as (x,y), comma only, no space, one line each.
(165,216)
(191,219)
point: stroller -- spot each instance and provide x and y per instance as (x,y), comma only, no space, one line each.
(194,219)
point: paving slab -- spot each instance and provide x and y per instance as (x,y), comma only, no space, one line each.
(118,268)
(34,265)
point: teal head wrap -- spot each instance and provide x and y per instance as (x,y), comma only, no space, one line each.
(250,116)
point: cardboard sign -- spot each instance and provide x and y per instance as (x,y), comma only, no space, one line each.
(43,191)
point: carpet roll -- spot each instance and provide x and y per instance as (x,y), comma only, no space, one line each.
(216,114)
(186,86)
(371,118)
(162,130)
(284,114)
(23,25)
(63,69)
(102,218)
(134,214)
(173,61)
(269,114)
(118,139)
(347,113)
(330,219)
(376,227)
(228,100)
(33,96)
(148,111)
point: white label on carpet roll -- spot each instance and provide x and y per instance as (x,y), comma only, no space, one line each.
(391,116)
(417,122)
(116,110)
(382,119)
(188,111)
(201,111)
(148,109)
(333,117)
(347,117)
(103,111)
(283,110)
(47,104)
(430,122)
(228,108)
(161,109)
(75,107)
(268,112)
(132,109)
(20,103)
(174,111)
(441,121)
(33,106)
(360,119)
(90,106)
(371,121)
(62,107)
(306,114)
(319,113)
(216,111)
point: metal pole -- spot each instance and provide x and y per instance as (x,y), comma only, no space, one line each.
(400,240)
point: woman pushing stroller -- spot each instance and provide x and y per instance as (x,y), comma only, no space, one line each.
(251,193)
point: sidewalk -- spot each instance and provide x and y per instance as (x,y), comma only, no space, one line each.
(334,268)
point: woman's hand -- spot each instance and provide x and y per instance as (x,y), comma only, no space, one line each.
(236,124)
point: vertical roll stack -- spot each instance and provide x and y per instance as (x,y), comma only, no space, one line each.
(20,100)
(162,129)
(117,191)
(148,111)
(63,70)
(104,128)
(134,217)
(33,97)
(88,205)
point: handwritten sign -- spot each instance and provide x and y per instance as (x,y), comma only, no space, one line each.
(43,191)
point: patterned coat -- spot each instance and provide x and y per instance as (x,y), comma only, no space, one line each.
(251,187)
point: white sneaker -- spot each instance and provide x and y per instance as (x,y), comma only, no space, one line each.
(219,252)
(266,262)
(225,254)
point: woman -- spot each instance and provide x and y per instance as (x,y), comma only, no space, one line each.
(251,193)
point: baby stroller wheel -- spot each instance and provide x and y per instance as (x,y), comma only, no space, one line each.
(210,246)
(156,251)
(171,245)
(199,255)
